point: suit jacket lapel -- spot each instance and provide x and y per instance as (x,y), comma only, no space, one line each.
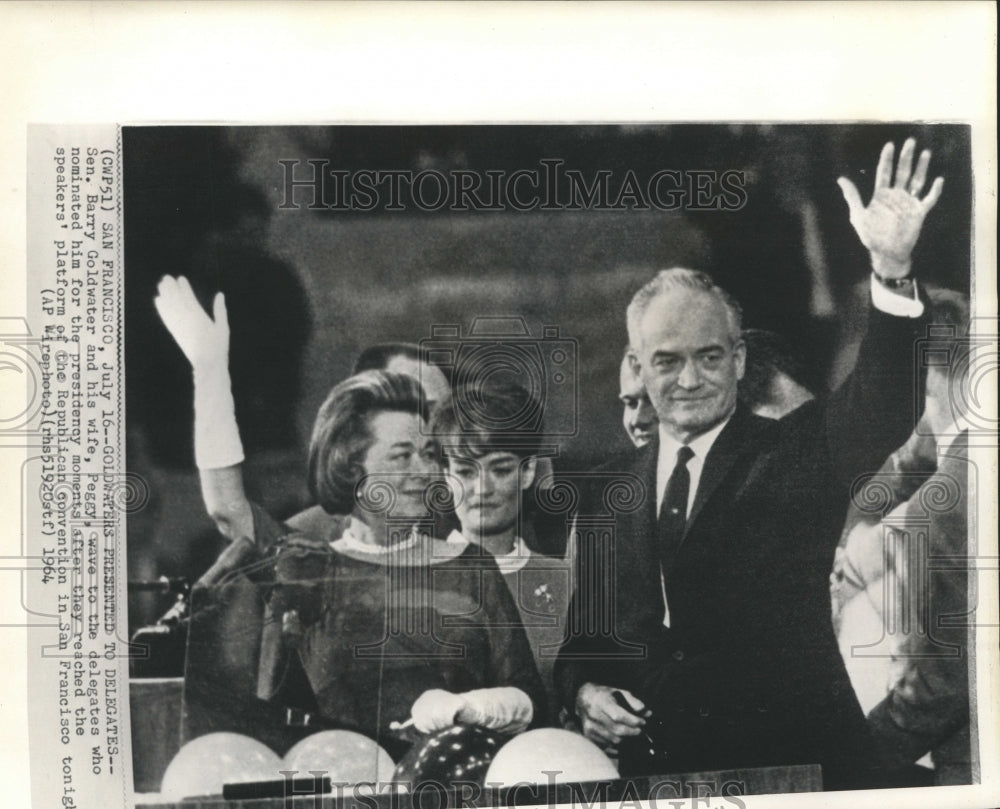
(734,440)
(644,518)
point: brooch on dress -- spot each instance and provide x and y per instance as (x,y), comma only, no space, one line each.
(543,595)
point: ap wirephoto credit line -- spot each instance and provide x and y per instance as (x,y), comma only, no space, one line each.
(484,465)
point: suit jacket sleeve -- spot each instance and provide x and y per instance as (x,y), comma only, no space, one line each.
(873,413)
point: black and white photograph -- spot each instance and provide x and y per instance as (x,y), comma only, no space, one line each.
(484,456)
(451,406)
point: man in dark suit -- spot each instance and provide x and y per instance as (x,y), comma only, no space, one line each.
(702,632)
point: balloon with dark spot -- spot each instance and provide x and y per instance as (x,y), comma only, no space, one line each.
(458,753)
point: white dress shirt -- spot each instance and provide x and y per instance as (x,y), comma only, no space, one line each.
(665,463)
(667,460)
(893,304)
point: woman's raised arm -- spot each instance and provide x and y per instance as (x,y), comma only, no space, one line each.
(204,339)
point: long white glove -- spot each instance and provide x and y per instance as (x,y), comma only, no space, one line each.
(435,709)
(505,709)
(205,342)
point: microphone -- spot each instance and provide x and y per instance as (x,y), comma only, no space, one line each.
(237,554)
(164,585)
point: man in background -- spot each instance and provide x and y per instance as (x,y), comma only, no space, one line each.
(638,415)
(900,586)
(405,358)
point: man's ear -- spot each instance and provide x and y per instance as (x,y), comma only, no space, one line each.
(740,357)
(528,466)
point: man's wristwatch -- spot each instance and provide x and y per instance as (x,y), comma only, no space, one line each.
(894,283)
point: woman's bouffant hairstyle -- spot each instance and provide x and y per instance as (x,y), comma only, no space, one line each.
(484,417)
(341,434)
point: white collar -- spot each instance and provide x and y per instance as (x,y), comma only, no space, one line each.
(700,445)
(456,538)
(508,563)
(358,537)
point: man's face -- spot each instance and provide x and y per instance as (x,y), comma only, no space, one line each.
(430,377)
(638,415)
(487,491)
(690,361)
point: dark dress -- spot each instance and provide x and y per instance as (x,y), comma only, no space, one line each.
(355,638)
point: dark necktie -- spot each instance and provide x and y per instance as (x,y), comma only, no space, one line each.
(673,510)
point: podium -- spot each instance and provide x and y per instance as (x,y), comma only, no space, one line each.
(155,707)
(677,787)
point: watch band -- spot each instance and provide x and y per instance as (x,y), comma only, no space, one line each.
(893,283)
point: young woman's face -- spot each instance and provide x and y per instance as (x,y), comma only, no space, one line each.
(487,491)
(399,466)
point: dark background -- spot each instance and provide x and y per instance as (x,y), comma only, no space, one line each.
(307,290)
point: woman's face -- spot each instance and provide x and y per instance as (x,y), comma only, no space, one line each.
(399,465)
(487,491)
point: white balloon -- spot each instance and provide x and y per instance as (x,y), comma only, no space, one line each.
(204,764)
(534,756)
(347,757)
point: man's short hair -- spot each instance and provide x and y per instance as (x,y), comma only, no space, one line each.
(377,357)
(629,361)
(476,420)
(341,434)
(667,281)
(948,308)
